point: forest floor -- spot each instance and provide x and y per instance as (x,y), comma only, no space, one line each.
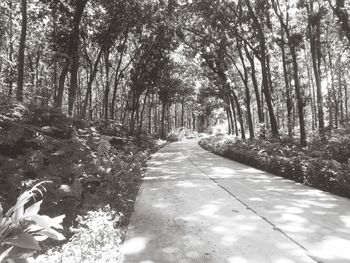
(195,206)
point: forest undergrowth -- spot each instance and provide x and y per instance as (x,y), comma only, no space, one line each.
(92,172)
(323,164)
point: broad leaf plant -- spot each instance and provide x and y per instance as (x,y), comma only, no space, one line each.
(22,226)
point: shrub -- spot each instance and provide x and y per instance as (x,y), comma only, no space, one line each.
(95,239)
(286,159)
(91,165)
(336,145)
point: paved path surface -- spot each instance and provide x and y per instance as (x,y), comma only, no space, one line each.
(194,206)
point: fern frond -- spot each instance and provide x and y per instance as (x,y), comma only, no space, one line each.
(104,147)
(58,153)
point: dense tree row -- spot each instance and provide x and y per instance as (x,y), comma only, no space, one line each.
(157,65)
(280,63)
(110,60)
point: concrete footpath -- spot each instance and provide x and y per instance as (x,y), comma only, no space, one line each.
(194,206)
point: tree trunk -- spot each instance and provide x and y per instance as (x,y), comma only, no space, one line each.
(10,79)
(297,87)
(143,109)
(230,128)
(61,82)
(175,115)
(340,90)
(315,45)
(256,86)
(150,104)
(268,99)
(300,102)
(193,121)
(32,75)
(330,102)
(239,112)
(37,81)
(244,78)
(233,116)
(346,101)
(269,71)
(182,113)
(169,119)
(162,133)
(74,52)
(22,44)
(288,95)
(334,93)
(55,83)
(235,127)
(118,76)
(107,88)
(90,82)
(312,95)
(156,131)
(264,69)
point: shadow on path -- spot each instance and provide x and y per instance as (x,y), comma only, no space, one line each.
(194,206)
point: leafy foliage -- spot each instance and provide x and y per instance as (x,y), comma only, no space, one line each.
(336,146)
(89,165)
(22,226)
(285,158)
(95,240)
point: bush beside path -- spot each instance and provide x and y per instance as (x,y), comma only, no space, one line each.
(323,166)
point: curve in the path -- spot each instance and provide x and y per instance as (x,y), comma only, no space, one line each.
(194,206)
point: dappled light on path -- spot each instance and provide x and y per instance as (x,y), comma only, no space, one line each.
(135,245)
(194,206)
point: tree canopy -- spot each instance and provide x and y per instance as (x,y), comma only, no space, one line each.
(143,63)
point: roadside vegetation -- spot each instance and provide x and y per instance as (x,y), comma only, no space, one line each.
(91,172)
(323,165)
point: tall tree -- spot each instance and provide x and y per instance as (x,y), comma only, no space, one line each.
(263,61)
(314,28)
(21,51)
(293,41)
(79,7)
